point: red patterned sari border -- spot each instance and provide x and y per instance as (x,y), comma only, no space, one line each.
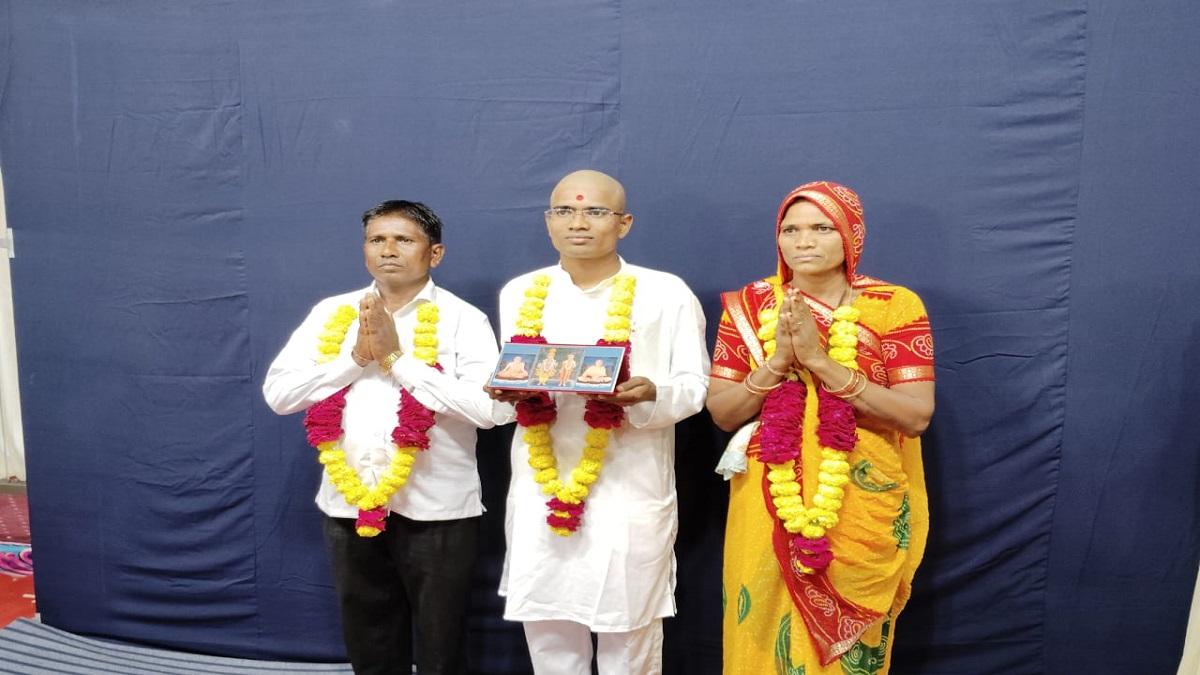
(735,305)
(910,374)
(728,373)
(833,622)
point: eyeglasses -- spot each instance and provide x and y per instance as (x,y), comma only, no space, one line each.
(593,214)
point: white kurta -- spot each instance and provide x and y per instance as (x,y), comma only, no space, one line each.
(617,572)
(444,483)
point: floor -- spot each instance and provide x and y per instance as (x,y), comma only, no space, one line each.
(14,513)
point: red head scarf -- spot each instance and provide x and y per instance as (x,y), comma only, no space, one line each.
(841,205)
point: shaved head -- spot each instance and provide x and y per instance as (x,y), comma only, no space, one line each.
(589,188)
(585,221)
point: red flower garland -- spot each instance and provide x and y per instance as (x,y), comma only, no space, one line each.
(781,441)
(541,409)
(323,423)
(782,422)
(839,425)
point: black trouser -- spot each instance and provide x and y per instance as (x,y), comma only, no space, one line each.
(414,574)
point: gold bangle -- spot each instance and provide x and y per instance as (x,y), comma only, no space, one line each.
(856,387)
(388,361)
(776,373)
(862,386)
(759,386)
(845,387)
(751,388)
(758,389)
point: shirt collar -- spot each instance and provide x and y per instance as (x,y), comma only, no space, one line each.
(563,275)
(426,294)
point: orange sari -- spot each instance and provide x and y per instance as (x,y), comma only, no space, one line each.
(838,620)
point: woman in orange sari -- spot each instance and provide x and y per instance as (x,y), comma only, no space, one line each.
(831,373)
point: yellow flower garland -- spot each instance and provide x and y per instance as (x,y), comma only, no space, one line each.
(344,478)
(333,333)
(814,521)
(541,449)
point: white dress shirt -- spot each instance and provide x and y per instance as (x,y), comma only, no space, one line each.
(444,483)
(617,572)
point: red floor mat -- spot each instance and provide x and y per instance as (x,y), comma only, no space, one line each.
(14,517)
(16,582)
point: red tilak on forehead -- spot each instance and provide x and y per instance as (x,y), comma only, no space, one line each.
(578,198)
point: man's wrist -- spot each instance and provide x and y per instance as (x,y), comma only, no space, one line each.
(360,361)
(388,361)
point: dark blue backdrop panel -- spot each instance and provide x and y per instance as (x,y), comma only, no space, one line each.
(473,109)
(1125,547)
(185,180)
(730,110)
(139,355)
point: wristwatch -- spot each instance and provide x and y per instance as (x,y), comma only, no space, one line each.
(389,361)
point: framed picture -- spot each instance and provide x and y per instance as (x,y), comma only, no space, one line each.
(590,369)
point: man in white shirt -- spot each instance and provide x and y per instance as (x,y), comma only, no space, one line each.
(615,574)
(416,573)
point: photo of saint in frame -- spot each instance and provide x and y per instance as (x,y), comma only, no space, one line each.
(553,367)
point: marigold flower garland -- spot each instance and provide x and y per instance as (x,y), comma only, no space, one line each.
(323,422)
(782,420)
(537,414)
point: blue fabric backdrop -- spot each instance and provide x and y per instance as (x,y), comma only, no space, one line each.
(184,180)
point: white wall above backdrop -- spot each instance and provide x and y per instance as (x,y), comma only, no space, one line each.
(12,441)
